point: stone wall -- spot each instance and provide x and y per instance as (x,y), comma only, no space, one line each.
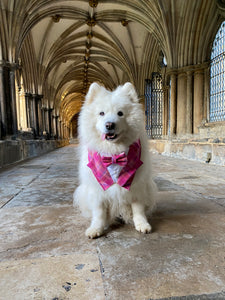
(205,150)
(12,151)
(212,130)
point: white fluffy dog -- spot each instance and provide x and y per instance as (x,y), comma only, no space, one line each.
(114,170)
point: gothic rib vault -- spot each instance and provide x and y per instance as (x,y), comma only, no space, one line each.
(57,48)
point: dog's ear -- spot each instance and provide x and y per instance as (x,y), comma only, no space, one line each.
(93,90)
(129,89)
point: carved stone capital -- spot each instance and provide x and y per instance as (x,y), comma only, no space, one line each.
(93,3)
(91,21)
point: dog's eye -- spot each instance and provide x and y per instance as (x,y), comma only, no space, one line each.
(101,113)
(120,113)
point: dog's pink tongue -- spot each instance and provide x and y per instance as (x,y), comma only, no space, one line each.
(103,136)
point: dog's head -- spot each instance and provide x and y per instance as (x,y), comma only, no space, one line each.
(111,117)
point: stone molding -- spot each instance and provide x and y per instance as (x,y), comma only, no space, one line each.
(12,66)
(190,68)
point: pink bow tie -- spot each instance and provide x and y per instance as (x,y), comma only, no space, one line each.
(120,159)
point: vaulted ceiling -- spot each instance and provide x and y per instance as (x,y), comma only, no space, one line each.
(62,46)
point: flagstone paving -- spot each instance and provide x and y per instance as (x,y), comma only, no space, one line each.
(44,253)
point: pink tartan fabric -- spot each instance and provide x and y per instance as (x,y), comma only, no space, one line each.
(127,173)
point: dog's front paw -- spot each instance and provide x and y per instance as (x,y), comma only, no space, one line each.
(143,227)
(93,232)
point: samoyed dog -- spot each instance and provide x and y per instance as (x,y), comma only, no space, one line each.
(114,171)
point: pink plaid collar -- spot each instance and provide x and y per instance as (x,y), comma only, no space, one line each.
(126,176)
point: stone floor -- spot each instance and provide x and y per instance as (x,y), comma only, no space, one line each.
(44,253)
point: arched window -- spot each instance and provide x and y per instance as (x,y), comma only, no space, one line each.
(217,77)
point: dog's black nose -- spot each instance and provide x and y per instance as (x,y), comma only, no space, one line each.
(110,125)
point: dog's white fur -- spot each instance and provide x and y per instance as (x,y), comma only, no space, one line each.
(104,206)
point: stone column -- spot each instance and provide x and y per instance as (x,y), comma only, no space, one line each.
(189,118)
(47,122)
(37,122)
(181,103)
(22,116)
(60,128)
(28,110)
(165,110)
(35,114)
(18,107)
(8,99)
(67,132)
(44,129)
(50,122)
(3,115)
(46,113)
(206,94)
(173,105)
(71,131)
(55,126)
(12,69)
(32,113)
(40,120)
(198,99)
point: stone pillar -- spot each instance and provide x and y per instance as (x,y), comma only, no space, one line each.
(22,112)
(181,103)
(46,113)
(173,105)
(35,114)
(206,94)
(18,107)
(45,118)
(32,113)
(189,118)
(71,130)
(12,69)
(64,130)
(60,128)
(36,102)
(28,110)
(165,110)
(3,115)
(8,99)
(44,130)
(55,126)
(50,122)
(40,120)
(198,99)
(67,132)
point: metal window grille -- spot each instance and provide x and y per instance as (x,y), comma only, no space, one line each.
(217,77)
(154,106)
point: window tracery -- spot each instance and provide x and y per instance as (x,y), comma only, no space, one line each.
(217,77)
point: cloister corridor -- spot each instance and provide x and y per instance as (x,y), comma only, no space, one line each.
(44,253)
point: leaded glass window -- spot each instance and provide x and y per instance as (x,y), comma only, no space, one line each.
(217,77)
